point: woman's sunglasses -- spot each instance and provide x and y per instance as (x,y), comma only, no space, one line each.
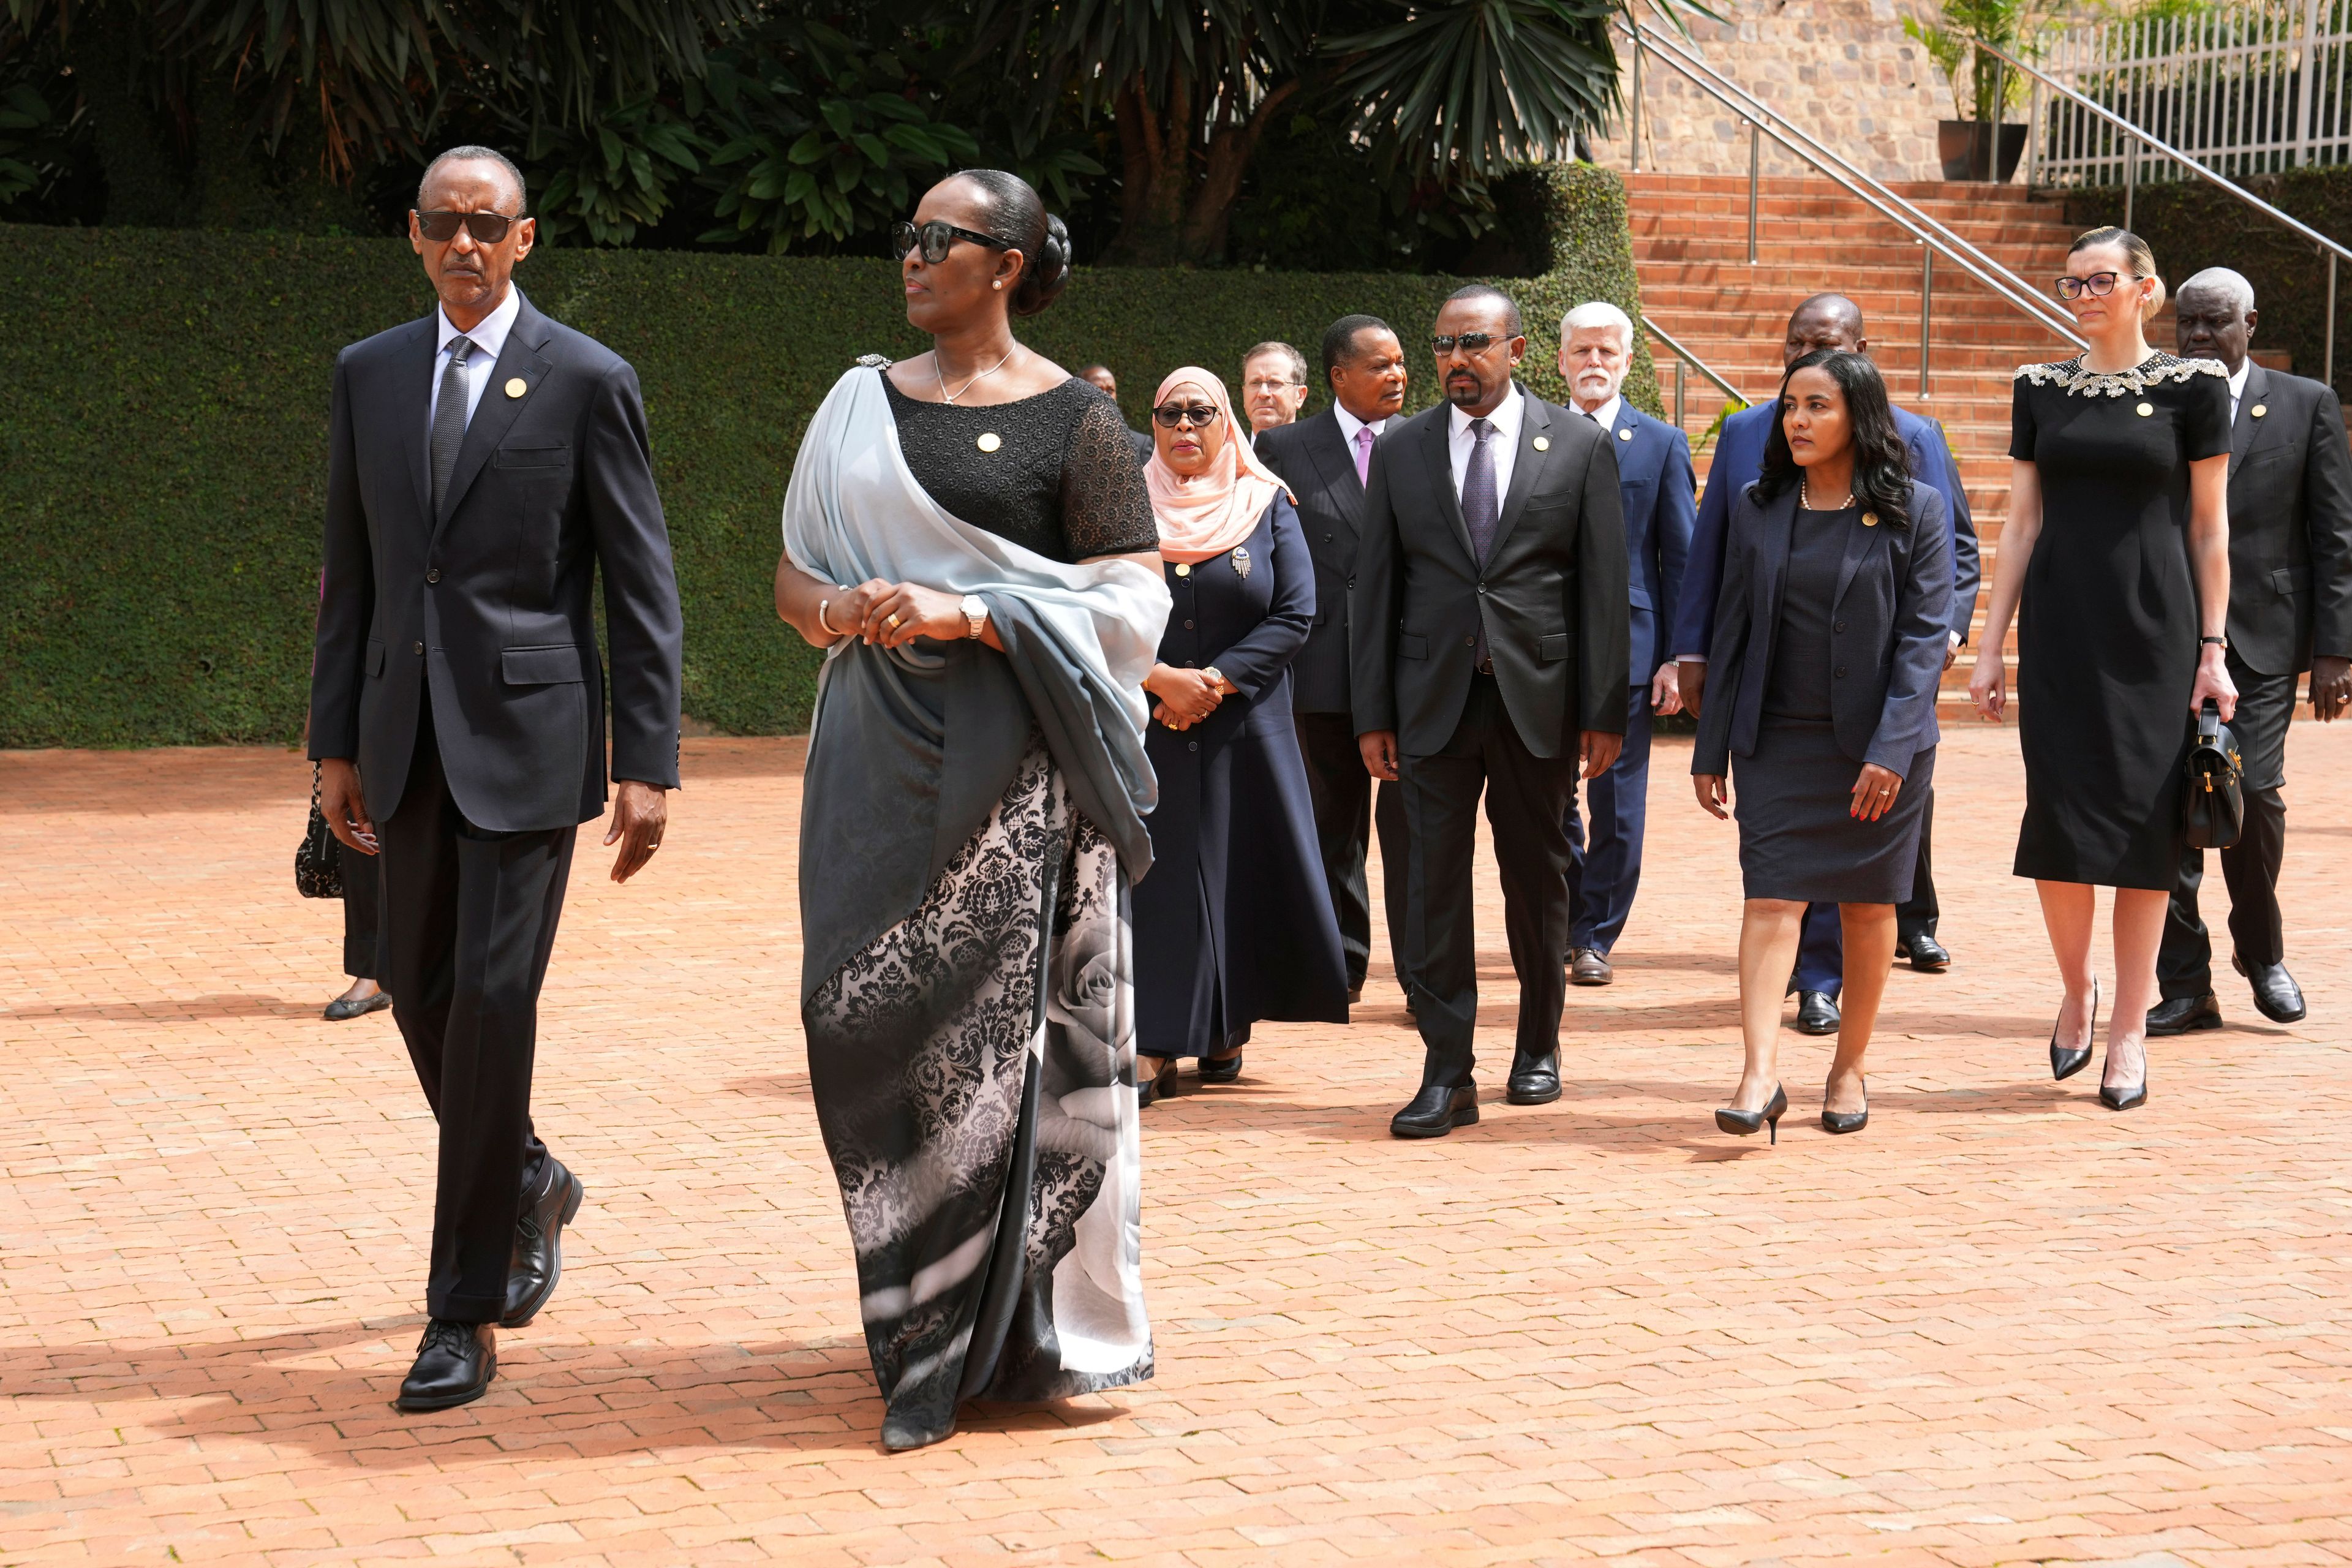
(442,227)
(1169,415)
(936,238)
(2097,285)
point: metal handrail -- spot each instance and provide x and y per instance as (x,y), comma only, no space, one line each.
(2141,137)
(1933,236)
(1683,356)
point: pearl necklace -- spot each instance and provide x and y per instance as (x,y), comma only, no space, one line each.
(1805,500)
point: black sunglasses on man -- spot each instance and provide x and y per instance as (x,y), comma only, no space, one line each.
(442,227)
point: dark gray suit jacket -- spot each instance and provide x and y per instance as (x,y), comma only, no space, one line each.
(1889,631)
(1552,593)
(2290,525)
(1312,458)
(490,600)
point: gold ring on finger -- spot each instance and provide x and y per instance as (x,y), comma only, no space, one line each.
(894,620)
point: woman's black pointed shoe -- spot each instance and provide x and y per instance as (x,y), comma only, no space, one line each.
(2123,1097)
(1746,1123)
(1221,1070)
(1848,1120)
(1160,1086)
(2065,1063)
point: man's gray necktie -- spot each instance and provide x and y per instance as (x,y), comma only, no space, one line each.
(449,419)
(1479,510)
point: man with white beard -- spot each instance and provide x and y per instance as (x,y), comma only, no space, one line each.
(1653,476)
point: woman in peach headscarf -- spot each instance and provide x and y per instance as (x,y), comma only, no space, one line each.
(1234,922)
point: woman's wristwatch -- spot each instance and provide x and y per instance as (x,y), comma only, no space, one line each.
(2221,643)
(975,616)
(1216,678)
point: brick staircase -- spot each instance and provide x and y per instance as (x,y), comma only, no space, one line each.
(1690,246)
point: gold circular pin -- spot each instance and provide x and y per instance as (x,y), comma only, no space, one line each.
(2146,409)
(1184,569)
(988,441)
(2259,409)
(1624,435)
(1870,519)
(517,386)
(1542,443)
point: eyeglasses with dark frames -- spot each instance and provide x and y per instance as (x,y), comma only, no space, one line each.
(489,228)
(1168,415)
(937,238)
(2098,285)
(1470,342)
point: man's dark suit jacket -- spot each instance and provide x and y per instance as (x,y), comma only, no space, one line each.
(1312,458)
(1661,498)
(2290,525)
(1552,593)
(489,600)
(1891,621)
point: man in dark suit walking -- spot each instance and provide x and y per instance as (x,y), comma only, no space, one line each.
(484,464)
(1325,461)
(1488,656)
(1653,479)
(1826,321)
(2290,610)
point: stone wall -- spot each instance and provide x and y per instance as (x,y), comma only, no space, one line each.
(1841,70)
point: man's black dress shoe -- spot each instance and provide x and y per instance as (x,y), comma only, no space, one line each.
(1535,1082)
(2276,996)
(2180,1015)
(1590,966)
(539,1246)
(1436,1111)
(1925,953)
(455,1364)
(344,1007)
(1817,1013)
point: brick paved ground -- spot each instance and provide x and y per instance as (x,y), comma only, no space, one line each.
(2002,1325)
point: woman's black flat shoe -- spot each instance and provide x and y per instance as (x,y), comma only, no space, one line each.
(2065,1063)
(1221,1070)
(344,1008)
(1848,1120)
(1746,1123)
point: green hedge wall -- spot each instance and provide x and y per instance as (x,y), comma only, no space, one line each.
(162,436)
(2191,227)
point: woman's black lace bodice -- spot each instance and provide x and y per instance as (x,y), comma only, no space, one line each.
(1055,473)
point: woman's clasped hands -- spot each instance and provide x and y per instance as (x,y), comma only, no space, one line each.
(1186,696)
(891,615)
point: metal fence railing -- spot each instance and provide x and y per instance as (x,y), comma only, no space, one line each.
(2251,87)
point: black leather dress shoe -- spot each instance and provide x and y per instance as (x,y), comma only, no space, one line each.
(1817,1013)
(1925,954)
(1221,1069)
(2276,996)
(2180,1015)
(1535,1082)
(1436,1111)
(539,1246)
(344,1007)
(455,1364)
(1590,966)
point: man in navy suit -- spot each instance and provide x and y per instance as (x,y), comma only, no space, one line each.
(1824,322)
(1653,476)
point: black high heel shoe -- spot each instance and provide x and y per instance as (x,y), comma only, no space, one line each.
(1161,1085)
(1221,1070)
(2123,1097)
(1746,1123)
(1846,1121)
(2065,1063)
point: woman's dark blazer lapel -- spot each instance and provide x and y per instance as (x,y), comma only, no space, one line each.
(1860,539)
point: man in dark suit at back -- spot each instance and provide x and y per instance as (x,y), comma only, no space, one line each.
(2290,610)
(484,464)
(1653,476)
(1826,321)
(1325,460)
(1488,658)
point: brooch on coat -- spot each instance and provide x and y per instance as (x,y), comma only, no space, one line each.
(1241,561)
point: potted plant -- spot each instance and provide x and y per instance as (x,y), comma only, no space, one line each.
(1967,143)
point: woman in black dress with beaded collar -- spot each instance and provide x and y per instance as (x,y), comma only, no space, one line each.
(2115,561)
(968,537)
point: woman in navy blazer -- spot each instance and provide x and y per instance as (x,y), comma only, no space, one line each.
(1829,638)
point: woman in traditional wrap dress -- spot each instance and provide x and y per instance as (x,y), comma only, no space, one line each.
(969,537)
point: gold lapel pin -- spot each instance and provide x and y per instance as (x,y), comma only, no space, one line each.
(2259,409)
(1184,569)
(1624,435)
(1542,443)
(2146,409)
(1870,519)
(988,441)
(517,386)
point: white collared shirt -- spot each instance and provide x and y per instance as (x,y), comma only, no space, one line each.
(1606,414)
(1349,425)
(490,340)
(2238,387)
(1503,445)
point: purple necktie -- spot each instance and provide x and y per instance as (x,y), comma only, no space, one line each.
(1479,512)
(1363,454)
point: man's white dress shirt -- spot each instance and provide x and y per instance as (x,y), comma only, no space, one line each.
(2238,389)
(489,340)
(1503,445)
(1606,414)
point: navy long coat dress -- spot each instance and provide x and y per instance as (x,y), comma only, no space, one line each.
(1234,922)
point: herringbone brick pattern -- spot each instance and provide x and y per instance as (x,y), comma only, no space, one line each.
(1999,1326)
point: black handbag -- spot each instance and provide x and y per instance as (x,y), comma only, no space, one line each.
(318,860)
(2213,801)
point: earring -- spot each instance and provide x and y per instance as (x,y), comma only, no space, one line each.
(998,284)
